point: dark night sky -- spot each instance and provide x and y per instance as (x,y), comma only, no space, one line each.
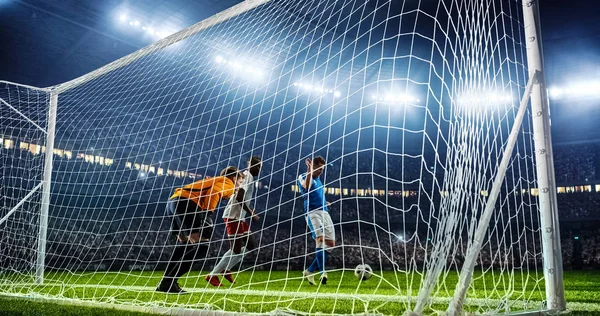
(48,42)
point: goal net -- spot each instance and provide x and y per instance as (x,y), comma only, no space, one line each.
(410,103)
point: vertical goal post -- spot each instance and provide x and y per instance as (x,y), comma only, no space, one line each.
(553,268)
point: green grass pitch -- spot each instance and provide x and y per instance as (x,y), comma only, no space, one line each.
(264,291)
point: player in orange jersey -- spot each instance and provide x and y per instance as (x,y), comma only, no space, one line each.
(191,209)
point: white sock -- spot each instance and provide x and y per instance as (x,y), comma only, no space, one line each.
(235,259)
(223,263)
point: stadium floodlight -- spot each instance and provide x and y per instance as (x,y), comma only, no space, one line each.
(240,67)
(483,99)
(576,90)
(122,17)
(392,98)
(316,89)
(136,23)
(131,23)
(555,92)
(95,215)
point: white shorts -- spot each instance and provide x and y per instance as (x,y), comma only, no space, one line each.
(320,224)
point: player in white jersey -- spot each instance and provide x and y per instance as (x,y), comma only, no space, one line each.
(237,228)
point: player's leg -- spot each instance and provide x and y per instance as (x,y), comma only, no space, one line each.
(235,231)
(168,283)
(320,220)
(201,228)
(328,244)
(241,244)
(194,251)
(315,225)
(198,226)
(235,257)
(221,266)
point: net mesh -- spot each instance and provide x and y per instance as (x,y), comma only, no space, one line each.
(410,103)
(23,115)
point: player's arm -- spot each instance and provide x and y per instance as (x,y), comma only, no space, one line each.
(240,199)
(308,180)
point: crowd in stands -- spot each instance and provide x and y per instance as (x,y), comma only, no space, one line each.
(577,163)
(112,217)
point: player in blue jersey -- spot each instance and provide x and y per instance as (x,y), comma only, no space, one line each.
(317,217)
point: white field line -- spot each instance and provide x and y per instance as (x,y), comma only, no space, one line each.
(322,295)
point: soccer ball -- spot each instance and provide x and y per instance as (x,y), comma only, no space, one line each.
(363,271)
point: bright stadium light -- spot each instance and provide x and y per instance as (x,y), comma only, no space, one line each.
(576,90)
(555,92)
(122,17)
(136,23)
(392,98)
(316,89)
(586,89)
(484,99)
(236,65)
(131,23)
(240,67)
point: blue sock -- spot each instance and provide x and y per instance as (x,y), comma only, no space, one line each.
(322,258)
(313,266)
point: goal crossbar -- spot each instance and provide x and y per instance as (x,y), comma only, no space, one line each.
(222,16)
